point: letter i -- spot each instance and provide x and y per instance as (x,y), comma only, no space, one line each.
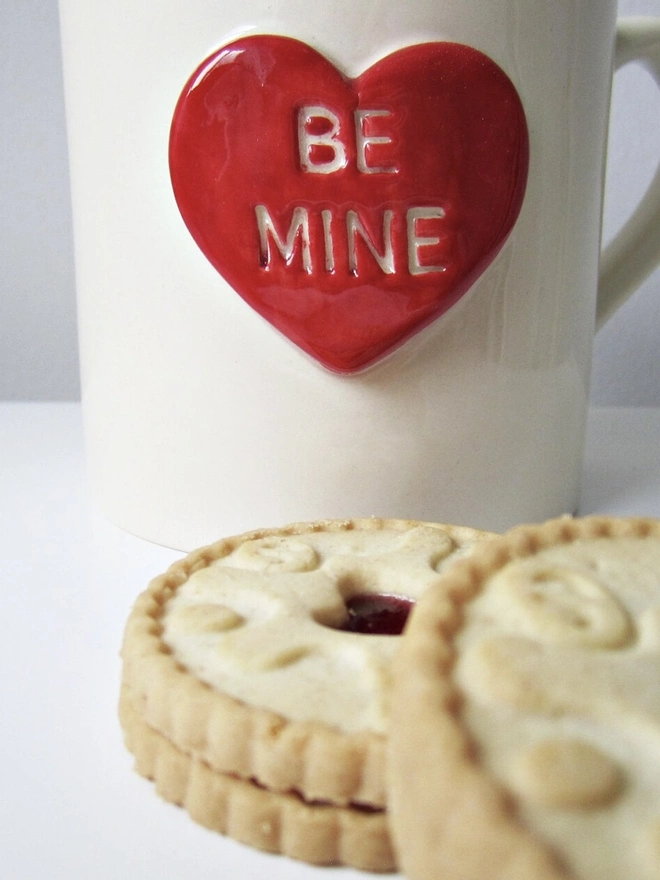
(326,216)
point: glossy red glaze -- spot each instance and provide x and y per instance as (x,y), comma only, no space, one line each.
(377,614)
(352,225)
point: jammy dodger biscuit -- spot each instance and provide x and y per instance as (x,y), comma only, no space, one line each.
(525,728)
(266,658)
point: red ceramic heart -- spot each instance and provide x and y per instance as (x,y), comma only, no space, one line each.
(349,213)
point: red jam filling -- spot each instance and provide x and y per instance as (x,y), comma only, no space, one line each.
(377,614)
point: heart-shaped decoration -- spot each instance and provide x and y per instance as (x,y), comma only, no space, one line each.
(349,213)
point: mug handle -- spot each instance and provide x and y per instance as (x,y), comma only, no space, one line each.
(635,251)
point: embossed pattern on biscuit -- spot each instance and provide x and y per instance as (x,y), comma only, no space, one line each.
(559,670)
(264,623)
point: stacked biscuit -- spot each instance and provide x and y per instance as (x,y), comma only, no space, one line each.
(251,696)
(513,732)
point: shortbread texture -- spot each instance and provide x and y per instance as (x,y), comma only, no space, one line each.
(278,823)
(237,657)
(548,700)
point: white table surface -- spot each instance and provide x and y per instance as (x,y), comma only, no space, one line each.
(71,805)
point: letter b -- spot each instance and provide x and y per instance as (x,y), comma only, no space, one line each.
(327,140)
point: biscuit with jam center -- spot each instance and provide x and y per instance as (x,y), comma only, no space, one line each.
(268,656)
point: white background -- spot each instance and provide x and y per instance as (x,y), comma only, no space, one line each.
(38,346)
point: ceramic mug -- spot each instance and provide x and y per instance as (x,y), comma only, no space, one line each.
(340,260)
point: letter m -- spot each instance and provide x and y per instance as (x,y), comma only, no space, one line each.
(298,232)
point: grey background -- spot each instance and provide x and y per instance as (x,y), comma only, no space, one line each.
(38,345)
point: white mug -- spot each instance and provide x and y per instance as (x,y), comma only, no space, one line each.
(341,260)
